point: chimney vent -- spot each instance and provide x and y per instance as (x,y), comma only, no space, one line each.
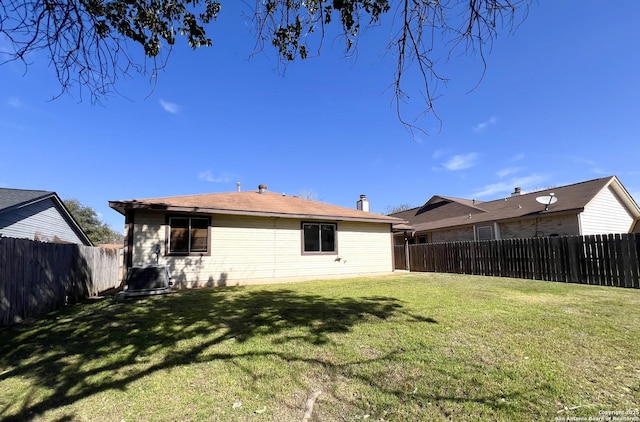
(262,188)
(363,203)
(517,191)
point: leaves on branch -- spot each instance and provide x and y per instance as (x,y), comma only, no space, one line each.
(89,221)
(86,40)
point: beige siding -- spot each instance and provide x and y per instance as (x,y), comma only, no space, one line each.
(564,225)
(248,250)
(605,214)
(148,231)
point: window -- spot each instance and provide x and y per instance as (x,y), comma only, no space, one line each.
(188,235)
(485,233)
(319,238)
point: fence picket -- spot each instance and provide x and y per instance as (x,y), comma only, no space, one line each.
(605,260)
(636,262)
(626,264)
(36,277)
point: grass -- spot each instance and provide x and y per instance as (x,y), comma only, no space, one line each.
(402,347)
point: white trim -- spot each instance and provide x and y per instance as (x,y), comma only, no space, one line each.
(580,224)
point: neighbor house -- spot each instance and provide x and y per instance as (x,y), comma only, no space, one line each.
(593,207)
(38,215)
(254,237)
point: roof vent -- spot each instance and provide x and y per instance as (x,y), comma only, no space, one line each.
(262,188)
(363,204)
(517,191)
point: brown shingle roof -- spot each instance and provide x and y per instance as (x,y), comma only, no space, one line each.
(453,212)
(266,204)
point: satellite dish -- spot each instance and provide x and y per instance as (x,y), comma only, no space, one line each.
(547,200)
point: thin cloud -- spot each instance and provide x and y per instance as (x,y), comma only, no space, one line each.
(506,187)
(169,107)
(517,157)
(15,102)
(461,162)
(208,176)
(584,161)
(440,152)
(482,126)
(12,126)
(595,168)
(507,171)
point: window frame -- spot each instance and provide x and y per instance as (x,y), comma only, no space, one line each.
(478,228)
(167,238)
(320,224)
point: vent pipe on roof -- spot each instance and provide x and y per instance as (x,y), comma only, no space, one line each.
(363,204)
(517,191)
(238,185)
(262,188)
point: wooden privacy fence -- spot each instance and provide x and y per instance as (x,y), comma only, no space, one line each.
(36,278)
(604,260)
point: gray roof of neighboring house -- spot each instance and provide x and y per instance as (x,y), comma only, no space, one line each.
(10,198)
(445,212)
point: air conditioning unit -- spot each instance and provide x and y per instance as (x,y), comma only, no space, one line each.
(146,281)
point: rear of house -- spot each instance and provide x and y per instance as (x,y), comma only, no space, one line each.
(254,237)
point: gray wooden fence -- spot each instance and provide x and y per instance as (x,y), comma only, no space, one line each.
(604,260)
(36,277)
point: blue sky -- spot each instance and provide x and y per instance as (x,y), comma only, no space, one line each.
(559,103)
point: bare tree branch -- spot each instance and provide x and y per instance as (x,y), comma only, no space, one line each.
(87,41)
(467,27)
(90,43)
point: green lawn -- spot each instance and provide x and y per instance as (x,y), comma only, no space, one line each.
(402,347)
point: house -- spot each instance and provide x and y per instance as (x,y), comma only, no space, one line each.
(38,215)
(596,206)
(254,237)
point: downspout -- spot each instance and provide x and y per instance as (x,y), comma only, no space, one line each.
(128,247)
(580,224)
(406,252)
(496,230)
(393,248)
(274,270)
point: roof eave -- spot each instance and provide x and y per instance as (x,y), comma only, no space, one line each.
(625,196)
(28,202)
(121,207)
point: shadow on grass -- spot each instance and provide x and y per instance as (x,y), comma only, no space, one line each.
(87,349)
